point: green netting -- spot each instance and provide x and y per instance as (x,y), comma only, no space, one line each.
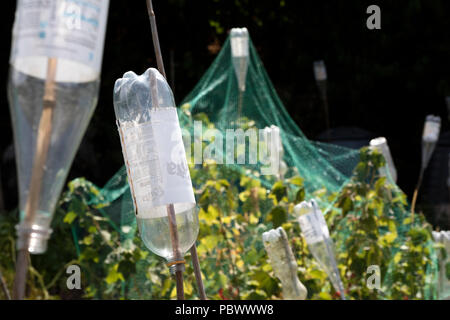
(326,171)
(217,95)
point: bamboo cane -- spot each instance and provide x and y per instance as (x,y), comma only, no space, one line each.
(4,287)
(416,191)
(170,208)
(37,174)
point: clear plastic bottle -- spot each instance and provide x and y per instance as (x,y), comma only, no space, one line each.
(430,137)
(156,164)
(240,54)
(43,40)
(155,233)
(320,244)
(75,104)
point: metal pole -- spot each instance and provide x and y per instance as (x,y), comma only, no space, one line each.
(170,208)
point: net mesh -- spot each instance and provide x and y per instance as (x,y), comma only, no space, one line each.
(326,171)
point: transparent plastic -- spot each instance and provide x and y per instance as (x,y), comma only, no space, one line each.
(319,242)
(430,137)
(52,90)
(75,103)
(381,145)
(320,71)
(155,233)
(272,137)
(240,54)
(443,280)
(137,102)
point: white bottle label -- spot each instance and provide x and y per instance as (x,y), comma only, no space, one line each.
(314,227)
(156,162)
(431,131)
(67,29)
(323,224)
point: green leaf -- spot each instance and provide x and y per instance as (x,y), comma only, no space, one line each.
(210,217)
(298,181)
(392,227)
(397,257)
(300,195)
(70,217)
(379,185)
(88,240)
(210,241)
(253,219)
(113,275)
(347,205)
(325,296)
(388,237)
(243,196)
(279,190)
(278,216)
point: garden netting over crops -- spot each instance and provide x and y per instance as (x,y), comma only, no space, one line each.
(217,100)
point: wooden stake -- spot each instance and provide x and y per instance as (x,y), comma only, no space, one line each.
(176,250)
(170,208)
(198,273)
(416,191)
(155,38)
(37,174)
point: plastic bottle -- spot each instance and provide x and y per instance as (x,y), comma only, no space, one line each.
(156,163)
(240,54)
(66,39)
(320,244)
(382,146)
(430,137)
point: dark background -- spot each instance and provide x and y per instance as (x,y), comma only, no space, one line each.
(385,81)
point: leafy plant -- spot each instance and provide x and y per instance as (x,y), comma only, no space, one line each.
(368,220)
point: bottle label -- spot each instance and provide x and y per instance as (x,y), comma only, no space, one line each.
(156,163)
(323,224)
(314,227)
(68,29)
(431,131)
